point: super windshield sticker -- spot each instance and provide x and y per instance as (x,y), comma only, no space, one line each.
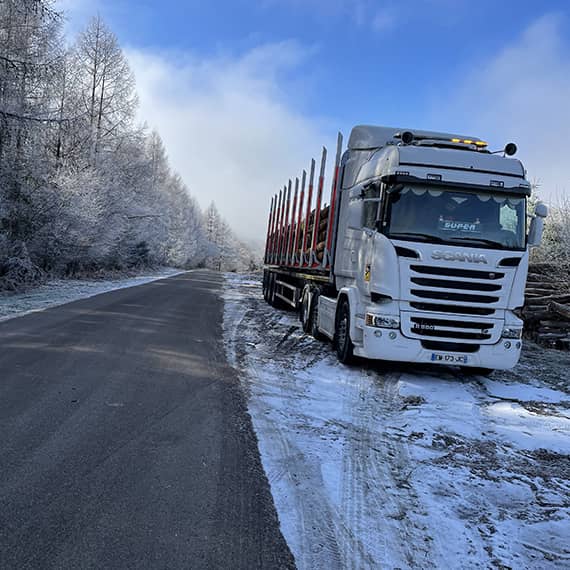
(458,226)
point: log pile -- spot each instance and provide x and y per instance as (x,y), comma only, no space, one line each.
(308,236)
(547,305)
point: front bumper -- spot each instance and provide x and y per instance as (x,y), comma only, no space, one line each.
(397,347)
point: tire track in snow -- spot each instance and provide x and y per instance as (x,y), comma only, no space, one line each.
(361,526)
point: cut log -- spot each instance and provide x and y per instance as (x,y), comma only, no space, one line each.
(538,291)
(528,308)
(554,298)
(556,330)
(551,322)
(560,309)
(551,336)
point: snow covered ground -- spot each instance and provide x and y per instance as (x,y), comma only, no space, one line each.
(397,466)
(59,292)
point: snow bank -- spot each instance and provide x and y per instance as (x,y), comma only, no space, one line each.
(60,292)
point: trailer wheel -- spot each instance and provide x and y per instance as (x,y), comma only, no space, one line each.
(271,289)
(342,342)
(305,310)
(314,317)
(274,301)
(266,276)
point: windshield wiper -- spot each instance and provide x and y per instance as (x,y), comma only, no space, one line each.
(415,235)
(484,241)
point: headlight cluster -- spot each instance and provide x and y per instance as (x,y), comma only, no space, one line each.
(382,322)
(512,332)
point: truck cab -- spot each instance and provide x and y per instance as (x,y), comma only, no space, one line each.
(432,253)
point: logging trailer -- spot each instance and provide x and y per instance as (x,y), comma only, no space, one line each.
(421,254)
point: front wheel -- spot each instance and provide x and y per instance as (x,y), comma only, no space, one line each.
(342,341)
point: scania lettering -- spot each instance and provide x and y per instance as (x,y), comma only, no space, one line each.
(421,254)
(451,256)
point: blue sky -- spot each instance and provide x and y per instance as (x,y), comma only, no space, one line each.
(244,92)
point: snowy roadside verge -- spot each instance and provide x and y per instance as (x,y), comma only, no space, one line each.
(400,466)
(60,292)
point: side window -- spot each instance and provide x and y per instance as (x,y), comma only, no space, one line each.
(370,212)
(370,207)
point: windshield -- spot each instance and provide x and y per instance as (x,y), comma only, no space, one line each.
(478,219)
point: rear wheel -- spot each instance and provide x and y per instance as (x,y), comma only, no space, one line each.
(274,300)
(266,277)
(315,333)
(271,289)
(342,342)
(305,310)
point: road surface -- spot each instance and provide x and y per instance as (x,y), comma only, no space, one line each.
(125,437)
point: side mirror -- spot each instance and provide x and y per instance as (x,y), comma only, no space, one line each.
(537,225)
(541,210)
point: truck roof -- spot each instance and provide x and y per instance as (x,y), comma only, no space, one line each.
(379,152)
(366,137)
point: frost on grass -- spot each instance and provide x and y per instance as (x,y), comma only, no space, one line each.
(404,467)
(59,292)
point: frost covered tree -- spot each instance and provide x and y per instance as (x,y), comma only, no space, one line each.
(225,251)
(106,87)
(30,56)
(83,187)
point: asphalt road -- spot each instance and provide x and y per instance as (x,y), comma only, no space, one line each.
(125,440)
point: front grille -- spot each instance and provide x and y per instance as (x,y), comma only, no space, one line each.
(454,272)
(461,285)
(447,296)
(452,304)
(455,309)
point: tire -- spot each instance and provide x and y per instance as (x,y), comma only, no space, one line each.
(342,342)
(271,289)
(314,317)
(266,276)
(274,301)
(476,371)
(305,311)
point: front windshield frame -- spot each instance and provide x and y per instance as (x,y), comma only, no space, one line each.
(502,239)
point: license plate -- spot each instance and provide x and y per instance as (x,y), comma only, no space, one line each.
(449,358)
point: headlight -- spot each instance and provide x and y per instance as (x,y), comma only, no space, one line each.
(512,332)
(382,322)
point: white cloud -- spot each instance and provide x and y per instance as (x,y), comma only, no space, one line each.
(228,127)
(377,15)
(522,95)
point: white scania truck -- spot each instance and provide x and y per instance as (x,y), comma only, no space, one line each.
(420,256)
